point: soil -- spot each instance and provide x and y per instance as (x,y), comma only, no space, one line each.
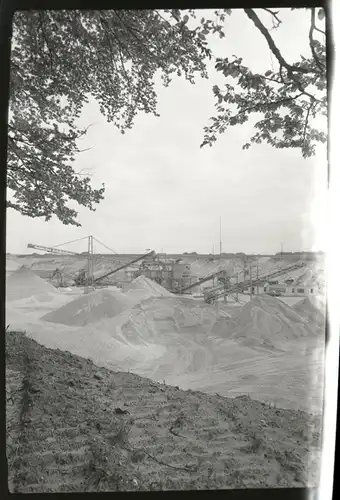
(77,427)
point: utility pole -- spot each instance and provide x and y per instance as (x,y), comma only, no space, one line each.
(251,280)
(257,279)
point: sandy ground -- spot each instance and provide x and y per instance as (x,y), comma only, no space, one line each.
(83,428)
(258,355)
(181,342)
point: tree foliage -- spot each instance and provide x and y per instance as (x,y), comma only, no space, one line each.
(61,58)
(288,98)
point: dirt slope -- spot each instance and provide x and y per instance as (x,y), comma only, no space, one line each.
(70,435)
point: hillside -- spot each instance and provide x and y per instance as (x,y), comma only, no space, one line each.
(72,426)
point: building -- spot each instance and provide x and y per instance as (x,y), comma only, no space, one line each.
(290,288)
(180,270)
(167,272)
(261,288)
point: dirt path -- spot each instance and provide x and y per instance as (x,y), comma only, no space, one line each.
(85,428)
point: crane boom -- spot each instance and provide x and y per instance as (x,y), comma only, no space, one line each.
(51,249)
(141,257)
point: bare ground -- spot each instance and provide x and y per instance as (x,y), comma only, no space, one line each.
(68,431)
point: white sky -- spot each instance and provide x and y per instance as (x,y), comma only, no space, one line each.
(165,193)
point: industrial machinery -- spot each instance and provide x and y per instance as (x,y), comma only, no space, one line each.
(85,277)
(56,251)
(218,274)
(79,278)
(172,274)
(58,275)
(239,287)
(137,259)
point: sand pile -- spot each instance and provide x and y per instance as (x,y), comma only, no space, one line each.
(268,322)
(90,308)
(41,297)
(147,287)
(311,309)
(24,283)
(12,265)
(161,318)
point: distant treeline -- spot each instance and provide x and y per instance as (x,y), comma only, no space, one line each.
(225,255)
(299,255)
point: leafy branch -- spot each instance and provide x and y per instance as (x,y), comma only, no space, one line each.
(283,63)
(312,42)
(288,98)
(61,58)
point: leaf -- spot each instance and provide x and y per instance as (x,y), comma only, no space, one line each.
(321,14)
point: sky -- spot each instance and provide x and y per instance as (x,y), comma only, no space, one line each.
(165,193)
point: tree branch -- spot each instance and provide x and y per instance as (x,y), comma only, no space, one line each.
(306,124)
(319,30)
(280,101)
(41,23)
(34,181)
(113,62)
(163,18)
(119,45)
(133,32)
(260,26)
(274,14)
(311,41)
